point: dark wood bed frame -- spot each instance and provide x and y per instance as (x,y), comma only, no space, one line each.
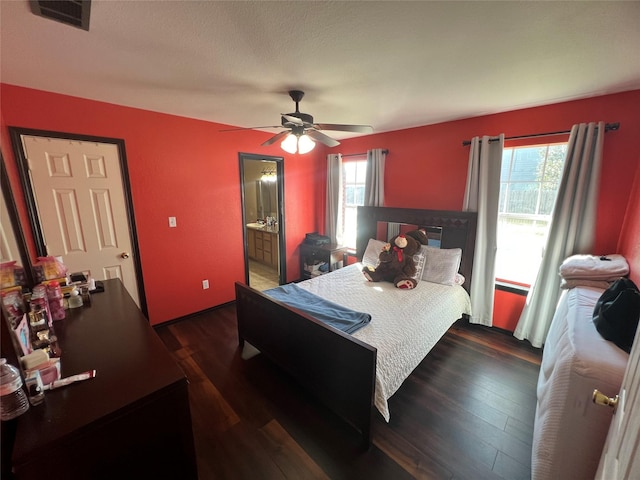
(334,366)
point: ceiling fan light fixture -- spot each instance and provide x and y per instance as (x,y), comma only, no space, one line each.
(290,143)
(297,144)
(302,133)
(305,144)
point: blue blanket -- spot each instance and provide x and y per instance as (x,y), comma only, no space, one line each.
(328,312)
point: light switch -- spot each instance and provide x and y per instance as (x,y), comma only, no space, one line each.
(172,222)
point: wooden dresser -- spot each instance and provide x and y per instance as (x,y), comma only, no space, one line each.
(131,421)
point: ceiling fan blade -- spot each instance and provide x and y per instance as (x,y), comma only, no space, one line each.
(344,128)
(248,128)
(322,138)
(291,119)
(276,137)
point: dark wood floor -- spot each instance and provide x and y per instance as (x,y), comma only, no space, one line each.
(466,412)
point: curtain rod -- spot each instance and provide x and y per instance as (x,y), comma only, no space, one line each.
(385,151)
(607,127)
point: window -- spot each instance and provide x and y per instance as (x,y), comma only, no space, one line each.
(529,181)
(354,174)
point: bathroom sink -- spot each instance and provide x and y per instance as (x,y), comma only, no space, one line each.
(256,225)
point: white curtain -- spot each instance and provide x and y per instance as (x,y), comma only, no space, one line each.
(334,226)
(374,185)
(481,195)
(572,229)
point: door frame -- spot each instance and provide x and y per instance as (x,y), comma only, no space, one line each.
(36,228)
(282,245)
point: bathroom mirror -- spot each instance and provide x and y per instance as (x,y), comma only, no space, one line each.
(266,197)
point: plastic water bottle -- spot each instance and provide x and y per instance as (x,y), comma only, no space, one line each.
(13,400)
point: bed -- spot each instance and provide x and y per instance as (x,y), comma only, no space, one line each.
(352,373)
(569,429)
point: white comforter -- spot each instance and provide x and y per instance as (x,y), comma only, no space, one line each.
(570,430)
(405,324)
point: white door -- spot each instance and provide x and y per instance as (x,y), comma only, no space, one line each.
(81,206)
(621,454)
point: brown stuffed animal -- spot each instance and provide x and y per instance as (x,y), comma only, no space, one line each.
(396,264)
(420,235)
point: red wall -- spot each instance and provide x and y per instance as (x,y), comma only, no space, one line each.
(629,245)
(427,166)
(178,167)
(185,168)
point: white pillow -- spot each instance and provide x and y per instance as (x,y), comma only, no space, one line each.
(420,260)
(442,264)
(372,252)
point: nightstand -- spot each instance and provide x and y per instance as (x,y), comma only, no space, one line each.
(319,259)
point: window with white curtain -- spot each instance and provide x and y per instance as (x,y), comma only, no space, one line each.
(529,181)
(354,177)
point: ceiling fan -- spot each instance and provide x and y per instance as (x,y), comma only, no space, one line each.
(302,131)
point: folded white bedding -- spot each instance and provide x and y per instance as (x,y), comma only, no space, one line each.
(594,268)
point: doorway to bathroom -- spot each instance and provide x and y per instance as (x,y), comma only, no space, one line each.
(262,180)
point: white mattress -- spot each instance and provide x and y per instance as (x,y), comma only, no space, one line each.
(405,324)
(570,430)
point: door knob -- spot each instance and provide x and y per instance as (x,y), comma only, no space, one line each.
(124,254)
(600,398)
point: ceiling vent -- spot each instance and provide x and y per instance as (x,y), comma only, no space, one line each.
(71,12)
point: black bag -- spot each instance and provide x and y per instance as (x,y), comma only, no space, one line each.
(617,312)
(316,239)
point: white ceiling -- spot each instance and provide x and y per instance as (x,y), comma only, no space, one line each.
(391,64)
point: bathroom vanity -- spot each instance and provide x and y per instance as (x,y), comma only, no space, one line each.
(263,244)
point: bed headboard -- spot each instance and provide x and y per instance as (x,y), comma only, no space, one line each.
(458,230)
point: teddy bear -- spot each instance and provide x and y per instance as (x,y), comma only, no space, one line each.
(420,234)
(396,264)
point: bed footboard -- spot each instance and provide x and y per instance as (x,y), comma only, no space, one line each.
(336,368)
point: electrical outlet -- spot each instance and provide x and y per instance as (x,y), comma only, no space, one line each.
(172,222)
(205,284)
